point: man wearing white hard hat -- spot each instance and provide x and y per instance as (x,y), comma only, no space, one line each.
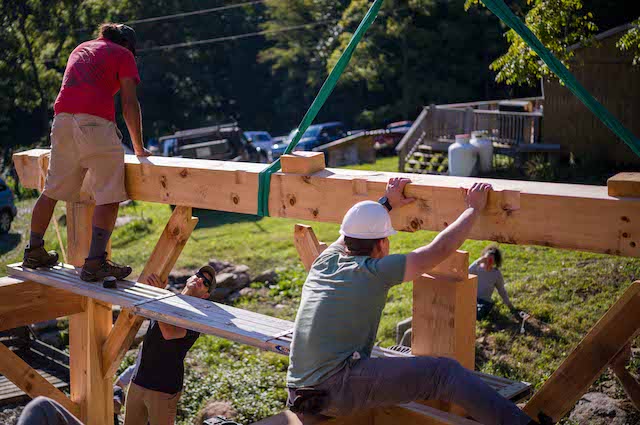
(331,371)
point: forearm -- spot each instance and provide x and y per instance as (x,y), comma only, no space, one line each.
(445,244)
(133,118)
(171,331)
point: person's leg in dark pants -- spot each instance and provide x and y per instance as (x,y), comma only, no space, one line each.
(388,381)
(44,411)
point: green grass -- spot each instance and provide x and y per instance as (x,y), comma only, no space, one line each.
(566,291)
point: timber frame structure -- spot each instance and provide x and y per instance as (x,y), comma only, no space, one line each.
(589,218)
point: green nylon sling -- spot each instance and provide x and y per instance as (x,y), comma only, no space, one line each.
(264,178)
(502,11)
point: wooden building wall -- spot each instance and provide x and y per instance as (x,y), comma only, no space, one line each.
(611,77)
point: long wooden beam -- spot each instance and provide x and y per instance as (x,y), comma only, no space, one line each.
(30,381)
(164,256)
(31,302)
(588,360)
(567,216)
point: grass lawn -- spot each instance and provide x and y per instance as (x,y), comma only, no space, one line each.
(566,291)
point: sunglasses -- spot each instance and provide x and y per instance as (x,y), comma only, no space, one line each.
(207,281)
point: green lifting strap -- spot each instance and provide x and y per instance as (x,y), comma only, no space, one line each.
(502,11)
(264,178)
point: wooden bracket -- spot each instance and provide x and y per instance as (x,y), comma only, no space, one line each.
(588,360)
(164,256)
(307,245)
(624,185)
(30,381)
(302,162)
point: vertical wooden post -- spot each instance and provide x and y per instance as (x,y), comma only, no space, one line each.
(444,315)
(444,311)
(87,330)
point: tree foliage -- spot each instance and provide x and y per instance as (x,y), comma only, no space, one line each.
(559,24)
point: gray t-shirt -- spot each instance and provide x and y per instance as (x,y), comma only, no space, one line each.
(340,309)
(488,280)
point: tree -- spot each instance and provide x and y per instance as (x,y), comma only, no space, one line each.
(558,24)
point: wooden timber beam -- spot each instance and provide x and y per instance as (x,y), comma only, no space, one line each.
(624,184)
(30,381)
(164,256)
(567,216)
(588,360)
(32,302)
(307,245)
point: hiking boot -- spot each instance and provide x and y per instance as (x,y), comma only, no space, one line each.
(98,268)
(39,257)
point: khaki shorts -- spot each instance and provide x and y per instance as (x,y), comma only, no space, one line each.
(81,143)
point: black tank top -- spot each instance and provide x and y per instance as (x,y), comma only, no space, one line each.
(161,366)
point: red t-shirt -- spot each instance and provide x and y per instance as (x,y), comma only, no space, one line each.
(92,78)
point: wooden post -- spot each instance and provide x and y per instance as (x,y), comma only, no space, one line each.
(444,312)
(444,315)
(87,330)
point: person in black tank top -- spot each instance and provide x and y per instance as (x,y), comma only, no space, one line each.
(157,382)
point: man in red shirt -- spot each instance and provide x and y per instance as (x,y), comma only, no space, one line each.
(84,137)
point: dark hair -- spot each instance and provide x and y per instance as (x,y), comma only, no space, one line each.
(495,252)
(119,34)
(360,246)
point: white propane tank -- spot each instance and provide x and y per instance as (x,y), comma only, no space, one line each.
(462,157)
(484,147)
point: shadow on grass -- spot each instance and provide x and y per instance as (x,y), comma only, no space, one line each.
(211,218)
(9,241)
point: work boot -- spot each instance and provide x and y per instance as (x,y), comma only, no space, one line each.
(39,257)
(98,268)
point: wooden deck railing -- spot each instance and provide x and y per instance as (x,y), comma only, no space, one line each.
(438,122)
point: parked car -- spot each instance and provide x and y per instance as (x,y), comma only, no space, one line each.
(224,142)
(261,139)
(316,135)
(8,210)
(386,142)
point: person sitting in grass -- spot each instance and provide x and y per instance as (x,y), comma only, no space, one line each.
(157,382)
(331,371)
(487,268)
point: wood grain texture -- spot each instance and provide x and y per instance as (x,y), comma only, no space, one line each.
(624,184)
(302,162)
(588,360)
(567,216)
(32,302)
(28,380)
(307,245)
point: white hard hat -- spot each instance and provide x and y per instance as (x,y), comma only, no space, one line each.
(367,220)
